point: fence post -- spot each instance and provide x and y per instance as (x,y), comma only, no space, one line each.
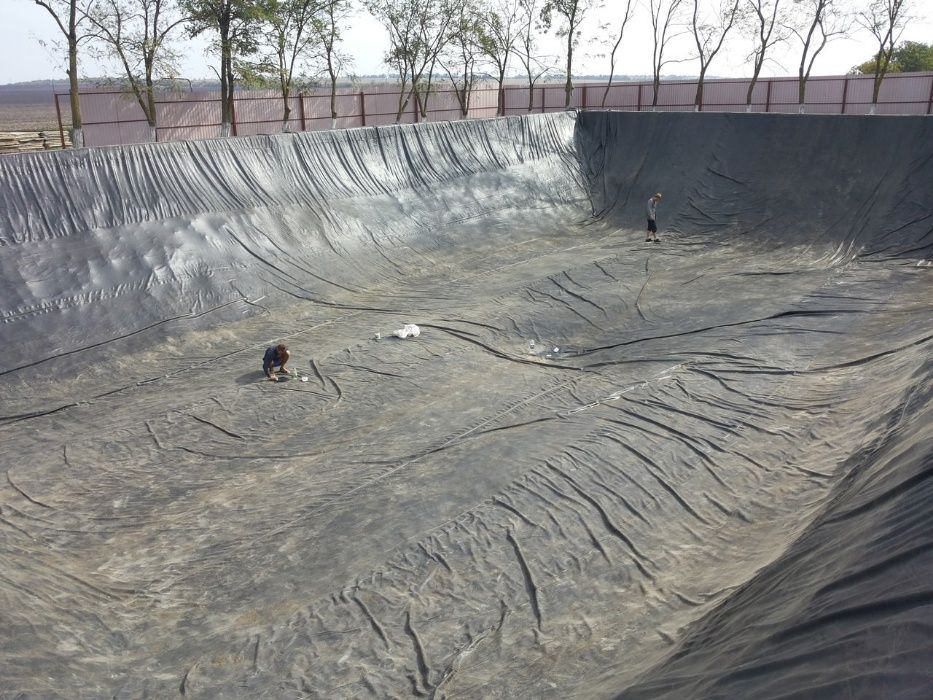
(845,92)
(363,107)
(768,98)
(233,116)
(61,129)
(301,110)
(542,99)
(639,97)
(584,96)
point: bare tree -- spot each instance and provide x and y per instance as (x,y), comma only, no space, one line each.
(499,32)
(815,24)
(418,32)
(767,29)
(236,23)
(709,33)
(136,33)
(71,19)
(461,53)
(285,38)
(536,65)
(886,20)
(572,14)
(335,60)
(629,12)
(400,20)
(666,19)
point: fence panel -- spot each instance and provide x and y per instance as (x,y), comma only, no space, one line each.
(263,112)
(516,100)
(824,95)
(382,106)
(619,96)
(317,111)
(443,106)
(112,118)
(349,109)
(761,95)
(905,95)
(116,117)
(484,103)
(189,116)
(858,97)
(724,95)
(783,96)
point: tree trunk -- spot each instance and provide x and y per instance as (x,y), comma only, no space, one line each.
(698,100)
(285,87)
(879,76)
(77,136)
(333,100)
(531,94)
(751,87)
(152,117)
(230,90)
(801,90)
(416,96)
(402,103)
(500,95)
(225,87)
(422,104)
(612,70)
(568,86)
(876,90)
(427,90)
(404,98)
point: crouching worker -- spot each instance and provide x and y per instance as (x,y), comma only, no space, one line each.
(276,356)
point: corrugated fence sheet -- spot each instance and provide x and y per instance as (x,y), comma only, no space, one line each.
(112,118)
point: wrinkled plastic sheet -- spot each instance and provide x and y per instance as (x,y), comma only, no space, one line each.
(708,478)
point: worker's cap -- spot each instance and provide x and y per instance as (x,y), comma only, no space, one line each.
(658,195)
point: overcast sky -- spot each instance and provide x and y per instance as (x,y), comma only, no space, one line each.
(25,27)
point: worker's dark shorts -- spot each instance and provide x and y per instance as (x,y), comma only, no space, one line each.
(652,226)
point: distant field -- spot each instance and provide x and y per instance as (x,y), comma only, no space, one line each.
(30,117)
(31,107)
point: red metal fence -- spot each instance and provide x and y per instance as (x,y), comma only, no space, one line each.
(115,117)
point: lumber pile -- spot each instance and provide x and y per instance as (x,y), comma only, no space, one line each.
(22,141)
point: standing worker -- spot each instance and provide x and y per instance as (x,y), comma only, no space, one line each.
(652,216)
(276,356)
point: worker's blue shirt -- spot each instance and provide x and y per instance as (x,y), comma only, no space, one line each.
(271,359)
(652,209)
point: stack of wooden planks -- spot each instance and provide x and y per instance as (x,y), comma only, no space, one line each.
(22,141)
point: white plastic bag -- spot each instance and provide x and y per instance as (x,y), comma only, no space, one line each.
(410,330)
